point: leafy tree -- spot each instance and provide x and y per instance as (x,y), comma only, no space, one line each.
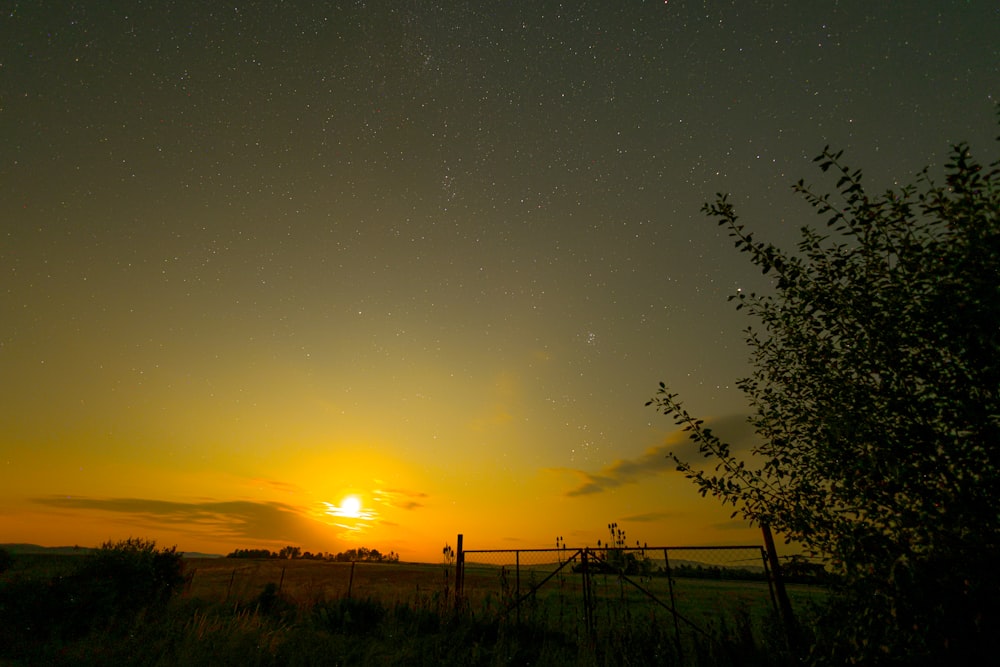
(290,552)
(874,390)
(252,553)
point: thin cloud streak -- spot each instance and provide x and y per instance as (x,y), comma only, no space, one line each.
(235,519)
(649,517)
(733,429)
(400,498)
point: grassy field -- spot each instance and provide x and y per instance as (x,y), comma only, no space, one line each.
(558,602)
(41,566)
(306,581)
(299,612)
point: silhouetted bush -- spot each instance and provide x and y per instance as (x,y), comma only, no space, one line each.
(6,560)
(130,575)
(272,603)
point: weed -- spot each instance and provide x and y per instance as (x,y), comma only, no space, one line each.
(269,626)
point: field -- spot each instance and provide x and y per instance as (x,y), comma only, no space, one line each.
(302,612)
(558,603)
(306,581)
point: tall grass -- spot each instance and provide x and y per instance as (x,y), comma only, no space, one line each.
(317,627)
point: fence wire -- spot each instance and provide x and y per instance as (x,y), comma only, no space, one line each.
(584,590)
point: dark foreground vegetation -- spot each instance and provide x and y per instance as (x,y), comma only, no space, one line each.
(875,396)
(129,604)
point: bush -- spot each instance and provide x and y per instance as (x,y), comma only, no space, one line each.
(115,583)
(132,574)
(109,591)
(875,394)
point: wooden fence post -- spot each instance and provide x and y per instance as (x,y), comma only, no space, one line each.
(673,604)
(588,601)
(459,571)
(784,604)
(517,573)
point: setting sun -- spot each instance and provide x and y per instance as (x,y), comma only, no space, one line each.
(351,507)
(388,311)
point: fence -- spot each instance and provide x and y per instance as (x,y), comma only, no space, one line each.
(307,581)
(687,587)
(678,591)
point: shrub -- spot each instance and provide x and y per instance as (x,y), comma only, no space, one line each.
(875,394)
(125,577)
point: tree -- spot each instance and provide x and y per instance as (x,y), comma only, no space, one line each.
(290,552)
(252,553)
(874,390)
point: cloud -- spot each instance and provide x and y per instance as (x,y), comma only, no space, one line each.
(400,498)
(649,517)
(284,487)
(733,429)
(734,524)
(235,519)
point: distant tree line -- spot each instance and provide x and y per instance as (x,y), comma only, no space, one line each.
(716,572)
(361,554)
(795,570)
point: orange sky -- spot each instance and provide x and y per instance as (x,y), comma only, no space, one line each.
(251,487)
(257,259)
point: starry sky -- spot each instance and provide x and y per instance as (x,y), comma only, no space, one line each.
(260,257)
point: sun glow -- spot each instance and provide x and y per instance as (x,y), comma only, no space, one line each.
(351,507)
(350,514)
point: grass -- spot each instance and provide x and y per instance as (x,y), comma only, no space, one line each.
(306,580)
(299,613)
(41,566)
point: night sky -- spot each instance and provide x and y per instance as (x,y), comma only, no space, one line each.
(260,257)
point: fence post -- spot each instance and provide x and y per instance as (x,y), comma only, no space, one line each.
(673,604)
(517,583)
(784,604)
(459,572)
(517,573)
(770,580)
(588,603)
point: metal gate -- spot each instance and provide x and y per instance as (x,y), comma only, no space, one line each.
(579,590)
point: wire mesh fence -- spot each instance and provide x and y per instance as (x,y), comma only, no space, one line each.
(601,594)
(582,591)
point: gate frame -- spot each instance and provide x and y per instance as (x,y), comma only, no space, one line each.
(587,555)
